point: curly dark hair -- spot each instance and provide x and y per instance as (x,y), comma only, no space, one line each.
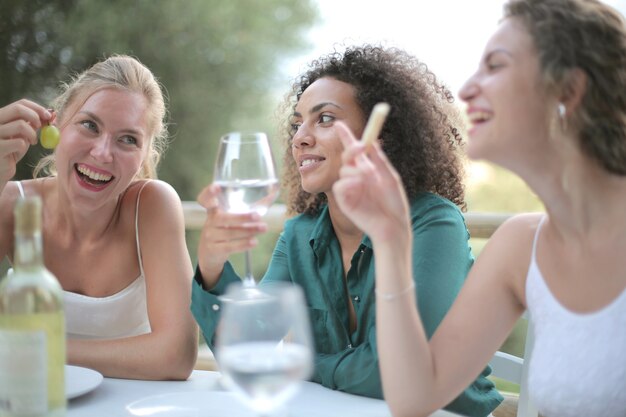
(421,137)
(590,36)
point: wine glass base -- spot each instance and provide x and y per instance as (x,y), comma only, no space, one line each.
(246,293)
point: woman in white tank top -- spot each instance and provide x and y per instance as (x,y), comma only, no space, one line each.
(548,102)
(113,235)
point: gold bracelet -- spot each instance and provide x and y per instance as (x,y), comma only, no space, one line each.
(391,297)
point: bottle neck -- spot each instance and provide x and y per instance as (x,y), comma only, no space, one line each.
(28,251)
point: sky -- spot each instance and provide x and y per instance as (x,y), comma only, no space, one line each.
(448,35)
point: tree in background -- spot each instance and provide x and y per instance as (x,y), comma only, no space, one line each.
(32,58)
(218,60)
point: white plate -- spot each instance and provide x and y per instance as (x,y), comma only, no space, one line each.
(79,381)
(190,404)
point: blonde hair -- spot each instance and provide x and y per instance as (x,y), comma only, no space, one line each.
(121,72)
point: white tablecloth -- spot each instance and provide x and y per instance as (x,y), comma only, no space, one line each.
(202,396)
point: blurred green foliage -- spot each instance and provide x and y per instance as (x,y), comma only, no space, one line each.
(220,62)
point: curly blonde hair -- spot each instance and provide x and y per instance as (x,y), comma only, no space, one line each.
(590,36)
(422,134)
(121,72)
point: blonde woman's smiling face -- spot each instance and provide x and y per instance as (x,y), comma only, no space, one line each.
(103,145)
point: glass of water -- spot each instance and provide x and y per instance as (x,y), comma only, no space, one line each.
(264,346)
(246,174)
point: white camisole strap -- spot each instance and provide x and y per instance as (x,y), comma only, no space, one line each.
(536,238)
(21,188)
(137,227)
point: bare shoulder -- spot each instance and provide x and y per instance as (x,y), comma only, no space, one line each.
(518,228)
(507,253)
(8,197)
(156,194)
(157,190)
(512,241)
(10,194)
(161,229)
(156,200)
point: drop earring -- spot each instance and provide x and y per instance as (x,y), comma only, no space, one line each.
(562,110)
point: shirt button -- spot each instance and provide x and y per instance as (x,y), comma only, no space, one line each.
(215,307)
(357,298)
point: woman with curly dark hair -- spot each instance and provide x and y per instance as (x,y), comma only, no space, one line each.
(321,249)
(422,134)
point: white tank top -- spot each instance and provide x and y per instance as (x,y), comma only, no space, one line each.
(119,315)
(578,361)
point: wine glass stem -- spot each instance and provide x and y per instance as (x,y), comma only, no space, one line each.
(248,280)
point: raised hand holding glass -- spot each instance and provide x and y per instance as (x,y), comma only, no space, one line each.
(246,175)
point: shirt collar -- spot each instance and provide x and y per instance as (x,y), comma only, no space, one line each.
(322,232)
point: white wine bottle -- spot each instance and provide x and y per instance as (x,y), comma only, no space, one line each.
(32,326)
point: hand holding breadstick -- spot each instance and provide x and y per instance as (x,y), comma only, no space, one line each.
(375,123)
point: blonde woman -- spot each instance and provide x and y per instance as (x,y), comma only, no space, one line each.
(113,235)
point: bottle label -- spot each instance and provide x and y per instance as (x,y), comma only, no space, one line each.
(23,372)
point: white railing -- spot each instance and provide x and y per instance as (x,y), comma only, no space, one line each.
(480,225)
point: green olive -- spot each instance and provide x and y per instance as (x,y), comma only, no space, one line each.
(49,136)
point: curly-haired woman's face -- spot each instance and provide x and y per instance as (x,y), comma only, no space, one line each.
(316,147)
(507,109)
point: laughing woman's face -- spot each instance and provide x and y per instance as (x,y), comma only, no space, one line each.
(103,146)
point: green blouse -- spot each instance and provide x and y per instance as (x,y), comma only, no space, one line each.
(308,253)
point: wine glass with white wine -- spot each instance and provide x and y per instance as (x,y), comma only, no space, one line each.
(246,175)
(264,345)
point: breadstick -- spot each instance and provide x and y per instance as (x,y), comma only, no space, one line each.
(375,123)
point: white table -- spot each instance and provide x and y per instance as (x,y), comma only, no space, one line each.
(202,396)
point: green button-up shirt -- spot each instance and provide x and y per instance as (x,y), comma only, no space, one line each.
(308,253)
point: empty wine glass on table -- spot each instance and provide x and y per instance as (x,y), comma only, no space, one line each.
(246,175)
(264,346)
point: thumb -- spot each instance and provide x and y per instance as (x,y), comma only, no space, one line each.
(208,196)
(347,191)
